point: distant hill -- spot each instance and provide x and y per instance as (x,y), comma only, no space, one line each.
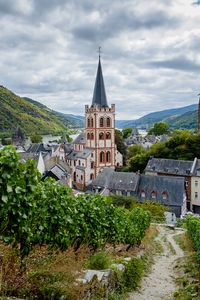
(185,121)
(168,115)
(30,115)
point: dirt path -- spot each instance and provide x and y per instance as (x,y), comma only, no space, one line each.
(159,284)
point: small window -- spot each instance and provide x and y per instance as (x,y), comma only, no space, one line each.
(196,183)
(101,135)
(108,122)
(101,122)
(196,195)
(153,195)
(108,156)
(88,122)
(91,176)
(108,135)
(143,195)
(92,136)
(92,165)
(79,162)
(186,183)
(102,159)
(88,136)
(74,163)
(92,122)
(81,177)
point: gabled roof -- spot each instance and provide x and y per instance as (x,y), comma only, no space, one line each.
(39,147)
(73,155)
(169,166)
(172,186)
(121,181)
(99,95)
(24,156)
(80,139)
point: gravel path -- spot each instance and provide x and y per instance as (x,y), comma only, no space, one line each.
(159,284)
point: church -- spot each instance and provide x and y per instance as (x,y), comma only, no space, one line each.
(95,148)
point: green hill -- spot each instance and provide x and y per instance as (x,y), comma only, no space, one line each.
(185,121)
(26,113)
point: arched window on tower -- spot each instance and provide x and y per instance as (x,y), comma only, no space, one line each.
(88,122)
(92,136)
(101,135)
(108,122)
(92,122)
(108,156)
(88,136)
(108,135)
(101,121)
(102,159)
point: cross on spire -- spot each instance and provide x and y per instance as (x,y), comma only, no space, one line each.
(99,50)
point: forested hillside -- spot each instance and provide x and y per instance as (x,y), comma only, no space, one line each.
(16,111)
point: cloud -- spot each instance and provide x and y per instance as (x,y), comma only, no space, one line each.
(150,52)
(180,63)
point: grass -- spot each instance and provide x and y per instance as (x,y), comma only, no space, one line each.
(99,261)
(188,271)
(54,273)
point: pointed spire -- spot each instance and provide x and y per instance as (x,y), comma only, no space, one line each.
(99,95)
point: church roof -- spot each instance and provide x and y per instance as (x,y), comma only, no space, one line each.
(99,95)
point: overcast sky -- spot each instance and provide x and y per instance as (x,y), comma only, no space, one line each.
(150,52)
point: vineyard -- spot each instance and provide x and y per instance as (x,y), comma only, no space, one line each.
(193,227)
(33,212)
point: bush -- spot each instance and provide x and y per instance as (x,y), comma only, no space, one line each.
(99,261)
(133,273)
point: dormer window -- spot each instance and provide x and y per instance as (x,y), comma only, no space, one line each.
(164,195)
(153,195)
(143,195)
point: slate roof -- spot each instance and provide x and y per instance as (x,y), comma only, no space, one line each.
(24,156)
(169,166)
(173,186)
(196,170)
(58,171)
(80,139)
(121,181)
(99,95)
(73,155)
(39,147)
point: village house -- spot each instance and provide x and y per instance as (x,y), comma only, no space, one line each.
(168,191)
(189,170)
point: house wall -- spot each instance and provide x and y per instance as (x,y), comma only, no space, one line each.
(40,164)
(195,191)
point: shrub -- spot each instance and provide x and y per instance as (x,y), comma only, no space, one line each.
(99,261)
(133,273)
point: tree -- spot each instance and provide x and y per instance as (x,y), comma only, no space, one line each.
(121,147)
(134,150)
(18,181)
(36,138)
(159,128)
(126,132)
(139,162)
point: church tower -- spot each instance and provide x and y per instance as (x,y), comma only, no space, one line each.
(100,126)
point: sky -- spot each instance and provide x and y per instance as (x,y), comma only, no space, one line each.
(150,52)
